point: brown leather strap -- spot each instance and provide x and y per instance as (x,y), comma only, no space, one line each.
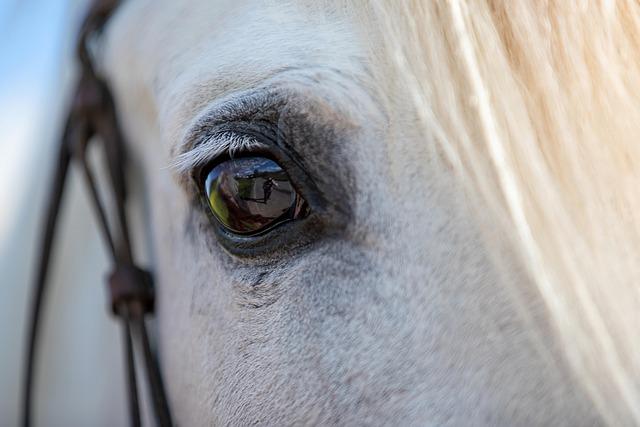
(92,119)
(51,216)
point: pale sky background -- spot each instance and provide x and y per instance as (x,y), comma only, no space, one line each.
(31,46)
(79,376)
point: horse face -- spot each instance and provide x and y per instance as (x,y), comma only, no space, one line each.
(379,305)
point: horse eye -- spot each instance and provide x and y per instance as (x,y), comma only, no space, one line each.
(250,195)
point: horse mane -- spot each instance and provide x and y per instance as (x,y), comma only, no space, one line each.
(536,107)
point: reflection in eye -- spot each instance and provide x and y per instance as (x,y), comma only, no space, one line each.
(251,194)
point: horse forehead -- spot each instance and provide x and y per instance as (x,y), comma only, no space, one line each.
(191,52)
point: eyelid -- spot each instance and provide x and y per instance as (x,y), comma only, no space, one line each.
(242,107)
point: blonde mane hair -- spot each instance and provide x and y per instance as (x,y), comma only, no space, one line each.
(536,106)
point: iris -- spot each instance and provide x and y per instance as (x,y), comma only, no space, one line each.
(250,195)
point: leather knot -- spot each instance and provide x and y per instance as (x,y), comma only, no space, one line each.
(133,287)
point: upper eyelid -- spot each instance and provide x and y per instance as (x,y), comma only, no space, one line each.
(233,108)
(269,98)
(202,142)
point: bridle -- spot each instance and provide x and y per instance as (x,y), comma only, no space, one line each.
(92,119)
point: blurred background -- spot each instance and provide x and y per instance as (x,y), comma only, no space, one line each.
(79,377)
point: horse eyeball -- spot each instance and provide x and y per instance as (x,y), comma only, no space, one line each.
(250,195)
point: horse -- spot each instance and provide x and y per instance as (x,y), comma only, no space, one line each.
(455,238)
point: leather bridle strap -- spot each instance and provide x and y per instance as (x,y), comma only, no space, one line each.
(92,119)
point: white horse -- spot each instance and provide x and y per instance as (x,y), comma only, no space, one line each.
(464,244)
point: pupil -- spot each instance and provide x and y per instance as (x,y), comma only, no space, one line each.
(250,194)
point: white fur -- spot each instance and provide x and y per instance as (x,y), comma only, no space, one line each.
(402,319)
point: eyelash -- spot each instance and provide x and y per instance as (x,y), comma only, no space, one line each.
(229,145)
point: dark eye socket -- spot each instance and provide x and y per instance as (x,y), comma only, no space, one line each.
(250,195)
